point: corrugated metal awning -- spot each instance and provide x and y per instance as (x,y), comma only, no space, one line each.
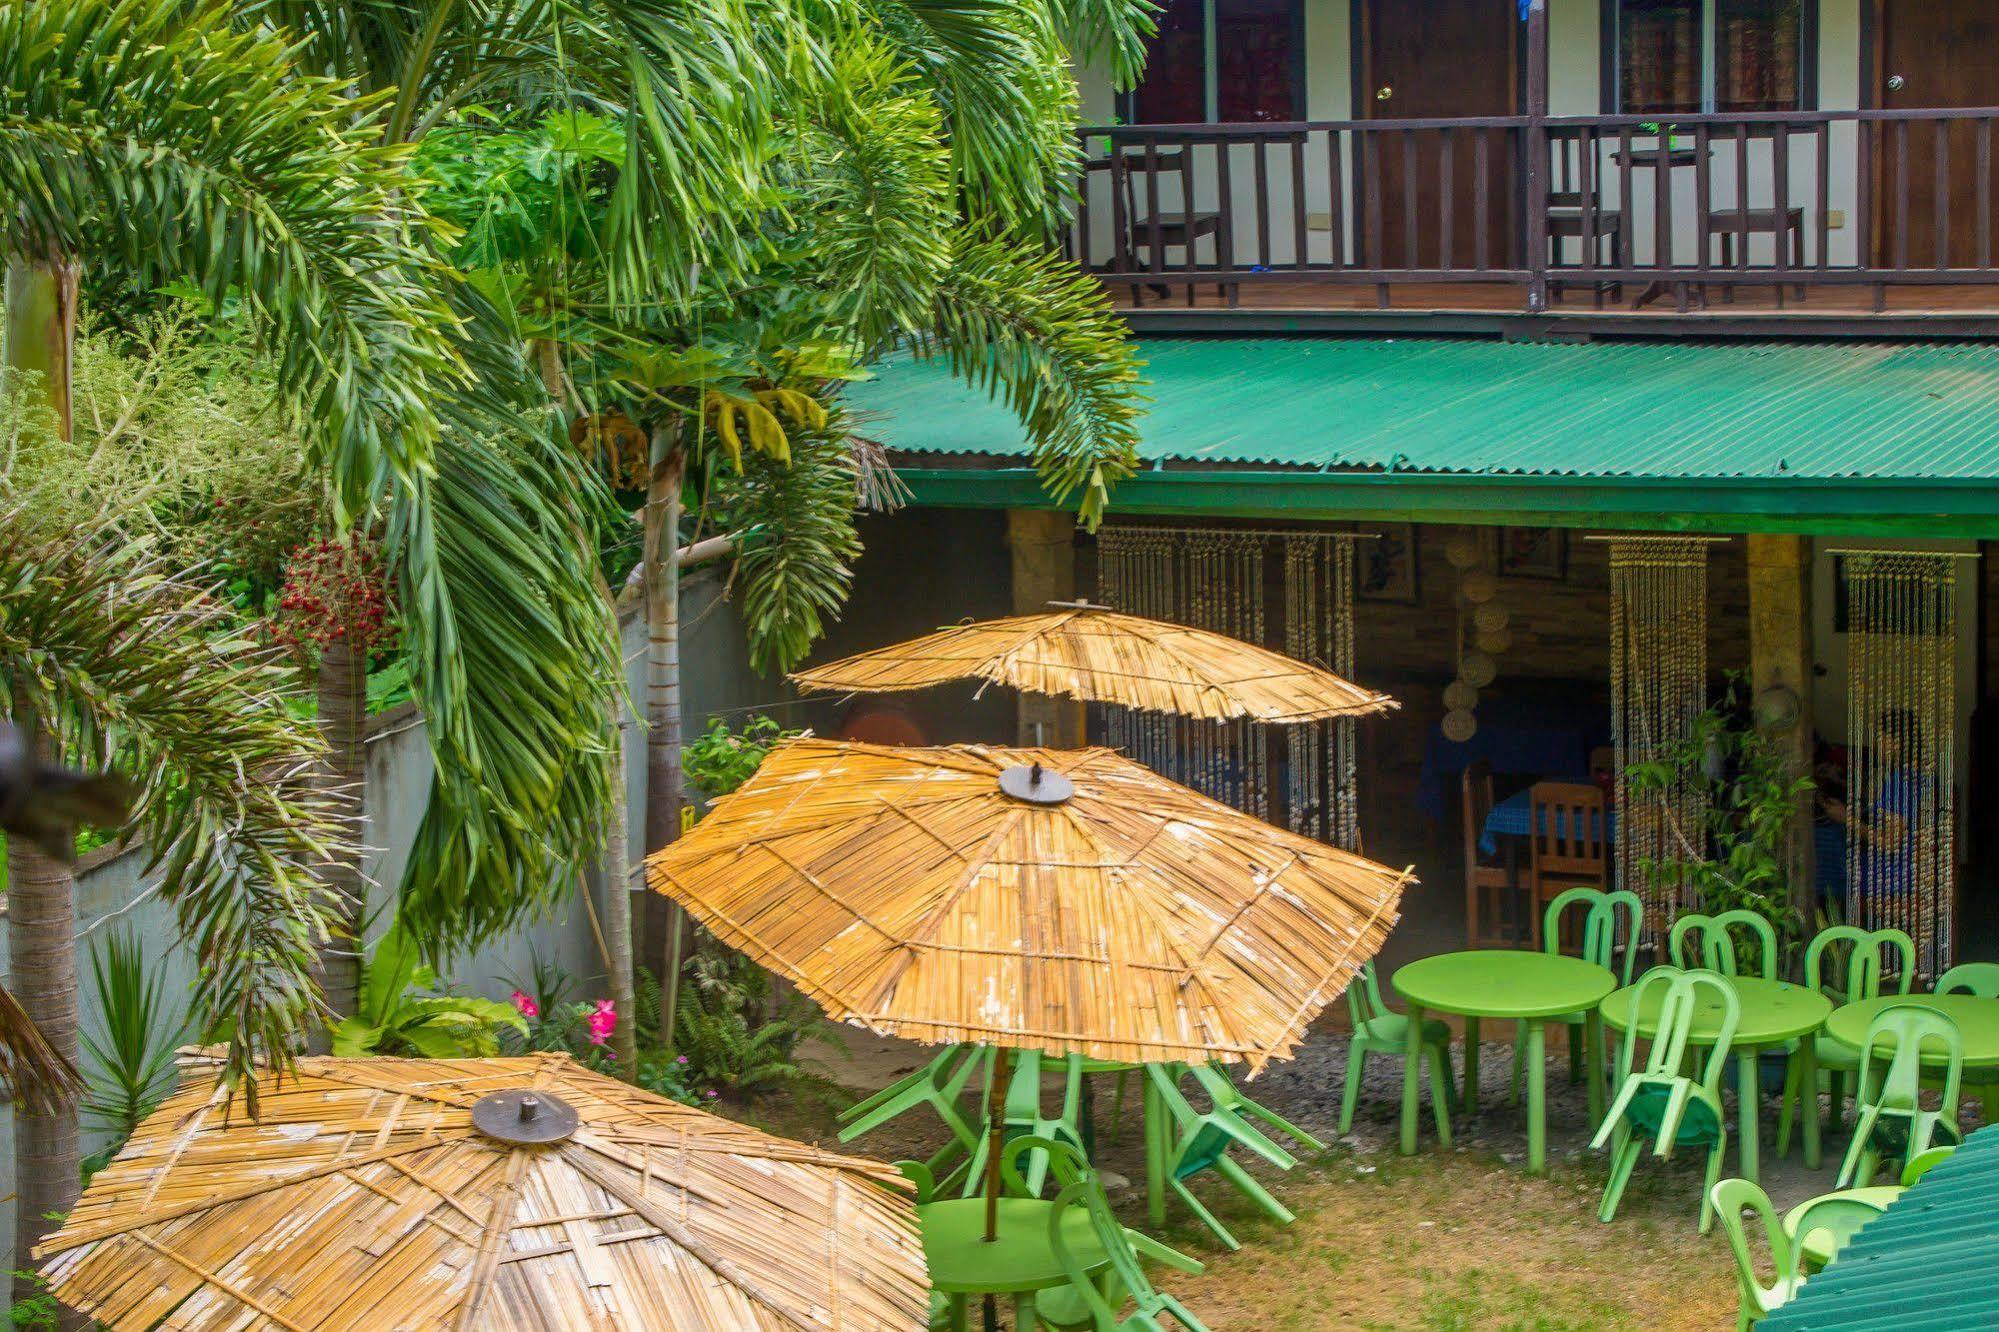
(1813,437)
(1924,1265)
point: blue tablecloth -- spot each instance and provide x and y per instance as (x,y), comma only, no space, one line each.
(1514,817)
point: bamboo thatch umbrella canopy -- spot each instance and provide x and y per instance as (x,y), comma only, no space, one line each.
(421,1194)
(1101,656)
(946,894)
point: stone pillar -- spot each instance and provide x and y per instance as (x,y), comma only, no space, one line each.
(1042,543)
(1780,675)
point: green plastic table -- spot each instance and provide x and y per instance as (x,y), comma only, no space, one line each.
(1019,1263)
(1817,1255)
(1517,986)
(1977,1022)
(1773,1012)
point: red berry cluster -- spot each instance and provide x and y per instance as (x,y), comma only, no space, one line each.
(335,591)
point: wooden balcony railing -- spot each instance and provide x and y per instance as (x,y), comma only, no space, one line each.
(1616,207)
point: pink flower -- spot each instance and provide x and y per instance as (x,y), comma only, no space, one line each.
(602,1022)
(527,1006)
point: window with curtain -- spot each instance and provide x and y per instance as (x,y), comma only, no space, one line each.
(1751,53)
(1223,60)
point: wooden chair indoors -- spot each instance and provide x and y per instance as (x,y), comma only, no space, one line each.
(1495,914)
(1570,848)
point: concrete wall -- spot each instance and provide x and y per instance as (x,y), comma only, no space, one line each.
(1575,77)
(113,894)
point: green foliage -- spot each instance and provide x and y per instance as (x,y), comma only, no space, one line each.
(1734,859)
(179,429)
(38,1312)
(721,759)
(131,1061)
(737,1040)
(403,1012)
(248,176)
(129,666)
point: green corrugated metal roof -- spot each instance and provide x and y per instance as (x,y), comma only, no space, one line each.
(1927,1264)
(1484,408)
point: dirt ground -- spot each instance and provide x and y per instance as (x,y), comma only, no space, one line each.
(1457,1239)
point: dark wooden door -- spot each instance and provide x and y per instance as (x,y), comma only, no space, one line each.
(1934,53)
(1433,198)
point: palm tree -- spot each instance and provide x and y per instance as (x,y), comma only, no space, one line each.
(921,161)
(148,136)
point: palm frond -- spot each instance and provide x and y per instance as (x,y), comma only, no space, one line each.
(32,1071)
(513,655)
(795,580)
(1030,328)
(1114,31)
(1000,73)
(148,134)
(132,667)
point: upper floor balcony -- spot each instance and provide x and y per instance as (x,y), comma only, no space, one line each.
(1699,166)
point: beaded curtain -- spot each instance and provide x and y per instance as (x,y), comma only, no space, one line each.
(1658,686)
(1901,719)
(1210,580)
(1318,627)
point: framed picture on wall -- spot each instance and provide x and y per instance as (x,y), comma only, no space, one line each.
(1534,552)
(1386,566)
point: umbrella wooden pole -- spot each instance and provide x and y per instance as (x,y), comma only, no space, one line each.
(996,1135)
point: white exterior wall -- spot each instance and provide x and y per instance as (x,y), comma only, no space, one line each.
(1575,69)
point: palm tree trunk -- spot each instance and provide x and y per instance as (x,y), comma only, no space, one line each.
(40,328)
(665,781)
(618,906)
(343,711)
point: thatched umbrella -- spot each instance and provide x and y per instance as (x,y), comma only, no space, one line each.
(1069,901)
(1101,656)
(481,1193)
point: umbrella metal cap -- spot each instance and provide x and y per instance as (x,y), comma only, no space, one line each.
(1035,784)
(524,1118)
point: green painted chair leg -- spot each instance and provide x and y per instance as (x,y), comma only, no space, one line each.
(1575,1052)
(1787,1101)
(1117,1105)
(1206,1217)
(1440,1093)
(1712,1178)
(1247,1185)
(1519,1062)
(1278,1122)
(1624,1159)
(1350,1093)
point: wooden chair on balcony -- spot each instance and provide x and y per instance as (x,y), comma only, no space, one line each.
(1735,226)
(1493,906)
(1570,848)
(1576,213)
(1162,225)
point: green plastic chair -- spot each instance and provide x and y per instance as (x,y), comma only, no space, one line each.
(1840,1218)
(1979,978)
(1662,1103)
(1093,1301)
(1379,1030)
(1892,1121)
(1755,1301)
(1214,1079)
(1922,1163)
(1025,1116)
(1186,1142)
(1862,964)
(940,1085)
(1611,922)
(1714,937)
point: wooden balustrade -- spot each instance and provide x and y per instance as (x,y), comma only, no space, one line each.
(1691,210)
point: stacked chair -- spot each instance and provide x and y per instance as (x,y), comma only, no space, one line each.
(1891,1121)
(1182,1143)
(1663,1105)
(1865,955)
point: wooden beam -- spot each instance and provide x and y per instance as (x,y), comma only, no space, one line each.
(1042,546)
(1780,674)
